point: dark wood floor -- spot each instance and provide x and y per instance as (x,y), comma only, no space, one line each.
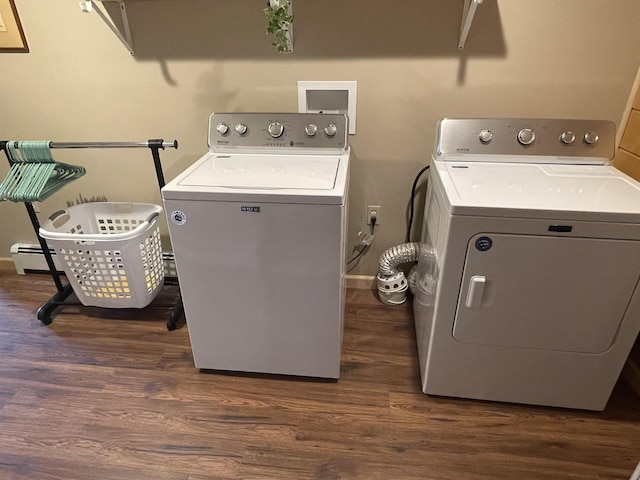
(111,394)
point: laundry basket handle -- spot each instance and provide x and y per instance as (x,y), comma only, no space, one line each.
(97,237)
(55,215)
(152,217)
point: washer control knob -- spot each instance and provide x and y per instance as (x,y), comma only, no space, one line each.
(568,137)
(241,128)
(485,136)
(591,137)
(276,129)
(526,136)
(222,128)
(311,129)
(330,130)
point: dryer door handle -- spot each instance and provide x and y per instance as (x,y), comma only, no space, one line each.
(475,292)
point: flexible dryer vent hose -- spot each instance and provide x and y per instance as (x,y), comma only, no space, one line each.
(392,283)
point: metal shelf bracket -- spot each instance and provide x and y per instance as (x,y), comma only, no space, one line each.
(90,6)
(468,12)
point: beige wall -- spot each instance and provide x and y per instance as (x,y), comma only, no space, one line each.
(569,58)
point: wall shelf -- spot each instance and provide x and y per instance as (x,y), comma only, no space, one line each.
(87,6)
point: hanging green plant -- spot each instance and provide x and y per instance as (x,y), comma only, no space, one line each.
(280,24)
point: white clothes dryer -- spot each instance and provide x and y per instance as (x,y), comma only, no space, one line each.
(258,229)
(527,287)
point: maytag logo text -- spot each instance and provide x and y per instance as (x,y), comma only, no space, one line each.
(252,209)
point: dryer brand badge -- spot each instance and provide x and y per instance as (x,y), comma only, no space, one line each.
(484,243)
(249,208)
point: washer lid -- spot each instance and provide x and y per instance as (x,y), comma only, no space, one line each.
(265,172)
(283,178)
(590,192)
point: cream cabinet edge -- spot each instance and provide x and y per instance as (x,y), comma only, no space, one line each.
(634,99)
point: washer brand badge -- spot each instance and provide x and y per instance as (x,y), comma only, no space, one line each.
(251,209)
(178,217)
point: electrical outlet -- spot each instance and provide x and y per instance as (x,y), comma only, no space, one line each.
(373,211)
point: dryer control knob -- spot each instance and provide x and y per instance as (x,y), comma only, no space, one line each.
(311,129)
(330,130)
(485,136)
(276,129)
(222,128)
(526,136)
(568,137)
(241,128)
(591,137)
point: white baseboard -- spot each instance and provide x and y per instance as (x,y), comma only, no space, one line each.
(6,264)
(35,261)
(364,282)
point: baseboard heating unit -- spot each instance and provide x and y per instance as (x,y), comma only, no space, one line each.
(28,257)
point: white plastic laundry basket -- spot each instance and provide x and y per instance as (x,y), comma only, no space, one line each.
(110,252)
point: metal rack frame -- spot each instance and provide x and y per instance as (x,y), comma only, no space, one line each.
(48,310)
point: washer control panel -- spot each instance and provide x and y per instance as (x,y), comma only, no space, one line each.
(278,132)
(548,140)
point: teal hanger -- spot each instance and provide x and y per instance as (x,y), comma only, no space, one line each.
(34,173)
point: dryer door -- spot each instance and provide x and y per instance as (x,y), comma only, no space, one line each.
(549,293)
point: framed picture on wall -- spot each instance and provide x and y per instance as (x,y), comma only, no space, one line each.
(12,37)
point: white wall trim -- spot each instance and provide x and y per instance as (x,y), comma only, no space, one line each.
(353,281)
(6,263)
(364,282)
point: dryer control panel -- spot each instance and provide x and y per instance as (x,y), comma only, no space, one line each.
(315,133)
(526,140)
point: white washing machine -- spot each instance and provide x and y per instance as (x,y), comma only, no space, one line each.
(258,229)
(527,288)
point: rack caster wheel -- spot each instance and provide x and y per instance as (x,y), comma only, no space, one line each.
(45,314)
(172,323)
(175,315)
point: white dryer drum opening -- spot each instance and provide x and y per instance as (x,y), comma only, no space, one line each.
(582,289)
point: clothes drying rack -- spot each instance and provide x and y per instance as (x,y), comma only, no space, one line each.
(48,310)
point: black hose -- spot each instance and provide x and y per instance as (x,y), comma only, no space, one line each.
(411,200)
